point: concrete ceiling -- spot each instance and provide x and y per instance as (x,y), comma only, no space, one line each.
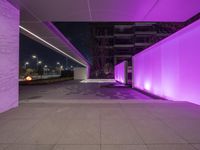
(37,15)
(111,10)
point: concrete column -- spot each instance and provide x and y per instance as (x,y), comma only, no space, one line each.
(9,55)
(80,73)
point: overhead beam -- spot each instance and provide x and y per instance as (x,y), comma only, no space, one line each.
(51,45)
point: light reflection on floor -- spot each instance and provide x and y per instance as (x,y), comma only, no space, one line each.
(98,81)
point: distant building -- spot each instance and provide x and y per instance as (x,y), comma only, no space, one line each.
(112,43)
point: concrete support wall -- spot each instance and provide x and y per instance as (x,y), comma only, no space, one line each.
(80,73)
(9,55)
(171,68)
(121,72)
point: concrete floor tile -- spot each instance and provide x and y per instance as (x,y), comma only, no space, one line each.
(176,111)
(86,125)
(29,147)
(170,147)
(76,90)
(3,146)
(45,132)
(123,147)
(154,132)
(76,112)
(197,146)
(112,113)
(81,132)
(14,129)
(27,113)
(188,129)
(77,147)
(4,120)
(119,132)
(138,113)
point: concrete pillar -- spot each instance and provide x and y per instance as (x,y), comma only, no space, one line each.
(9,55)
(80,73)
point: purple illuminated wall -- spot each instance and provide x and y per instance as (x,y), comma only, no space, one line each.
(121,72)
(9,55)
(171,68)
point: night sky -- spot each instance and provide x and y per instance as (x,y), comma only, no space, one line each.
(29,47)
(78,33)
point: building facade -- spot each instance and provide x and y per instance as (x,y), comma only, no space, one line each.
(112,43)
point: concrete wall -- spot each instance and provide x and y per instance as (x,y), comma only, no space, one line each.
(121,72)
(171,68)
(9,55)
(80,73)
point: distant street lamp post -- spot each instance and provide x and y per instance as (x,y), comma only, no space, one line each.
(35,57)
(59,67)
(26,64)
(40,70)
(45,70)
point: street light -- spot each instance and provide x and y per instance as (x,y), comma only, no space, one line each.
(26,64)
(35,57)
(39,68)
(45,69)
(58,63)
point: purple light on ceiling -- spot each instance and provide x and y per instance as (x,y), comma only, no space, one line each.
(112,10)
(171,68)
(9,55)
(121,72)
(172,10)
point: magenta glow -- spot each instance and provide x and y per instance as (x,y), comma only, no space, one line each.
(121,72)
(171,68)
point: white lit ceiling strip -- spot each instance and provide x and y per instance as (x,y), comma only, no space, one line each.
(41,39)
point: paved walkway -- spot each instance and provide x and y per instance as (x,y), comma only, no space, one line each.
(74,90)
(121,125)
